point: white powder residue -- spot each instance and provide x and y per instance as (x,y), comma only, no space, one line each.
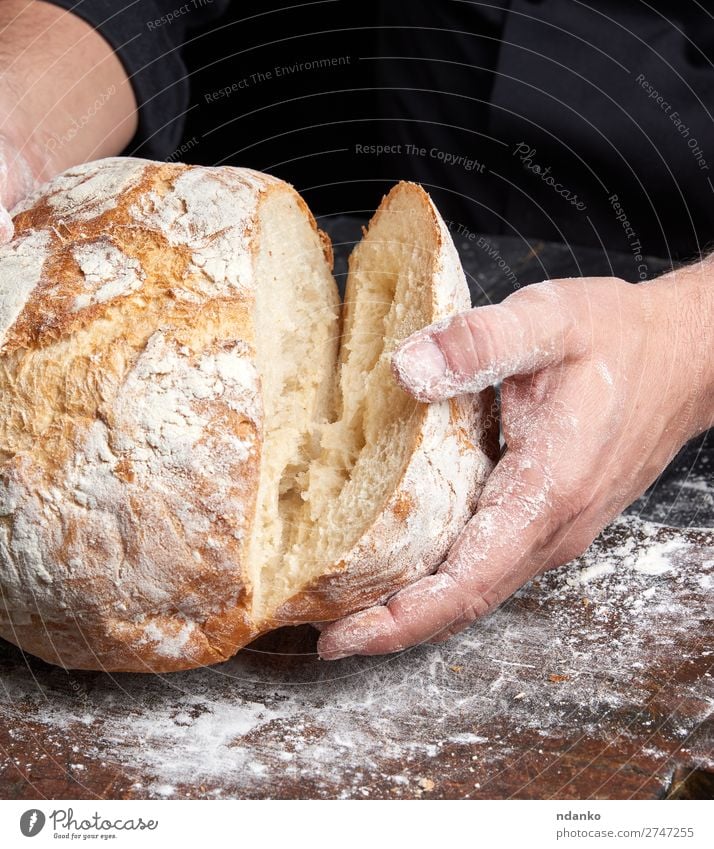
(235,369)
(90,189)
(468,738)
(108,273)
(420,380)
(260,719)
(207,212)
(604,372)
(654,560)
(700,485)
(163,425)
(165,643)
(164,790)
(22,261)
(589,573)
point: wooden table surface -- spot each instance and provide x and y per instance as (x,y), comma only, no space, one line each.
(593,682)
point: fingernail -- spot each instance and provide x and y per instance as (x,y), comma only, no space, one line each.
(347,636)
(336,642)
(333,655)
(326,653)
(420,365)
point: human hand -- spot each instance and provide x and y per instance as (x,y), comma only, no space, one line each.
(59,75)
(603,381)
(16,181)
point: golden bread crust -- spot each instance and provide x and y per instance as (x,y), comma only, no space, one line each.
(131,425)
(131,422)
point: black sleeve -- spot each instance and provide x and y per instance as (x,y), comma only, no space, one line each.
(147,36)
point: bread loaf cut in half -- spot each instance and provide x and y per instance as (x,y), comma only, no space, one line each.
(196,446)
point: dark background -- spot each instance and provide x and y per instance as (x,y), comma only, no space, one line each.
(287,125)
(476,80)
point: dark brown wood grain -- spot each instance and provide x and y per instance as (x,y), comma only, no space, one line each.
(653,735)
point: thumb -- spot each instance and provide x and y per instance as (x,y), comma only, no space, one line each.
(7,229)
(472,350)
(16,182)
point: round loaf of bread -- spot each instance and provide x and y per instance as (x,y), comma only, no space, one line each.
(188,455)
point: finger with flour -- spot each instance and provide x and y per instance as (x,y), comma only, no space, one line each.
(16,181)
(6,228)
(472,350)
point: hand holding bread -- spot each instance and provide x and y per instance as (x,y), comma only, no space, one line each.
(598,395)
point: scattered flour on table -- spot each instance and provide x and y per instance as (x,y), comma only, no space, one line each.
(569,652)
(655,560)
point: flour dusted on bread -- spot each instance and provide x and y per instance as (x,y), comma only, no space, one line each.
(195,446)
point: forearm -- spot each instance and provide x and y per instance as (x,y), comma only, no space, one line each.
(64,96)
(685,300)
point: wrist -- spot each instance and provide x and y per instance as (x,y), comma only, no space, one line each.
(685,311)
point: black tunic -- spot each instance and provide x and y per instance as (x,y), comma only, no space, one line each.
(584,123)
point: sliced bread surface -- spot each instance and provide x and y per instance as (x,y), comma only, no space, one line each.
(396,480)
